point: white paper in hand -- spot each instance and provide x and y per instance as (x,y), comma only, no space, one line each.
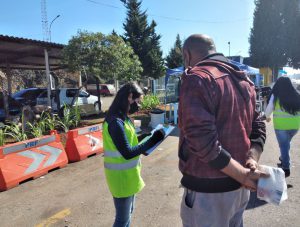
(272,189)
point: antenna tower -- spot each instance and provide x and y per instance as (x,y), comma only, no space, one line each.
(44,21)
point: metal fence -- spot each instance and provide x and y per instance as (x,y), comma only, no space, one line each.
(170,93)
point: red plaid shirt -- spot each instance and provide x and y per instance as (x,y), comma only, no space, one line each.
(216,113)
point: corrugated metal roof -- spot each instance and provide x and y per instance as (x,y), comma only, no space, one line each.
(21,53)
(32,41)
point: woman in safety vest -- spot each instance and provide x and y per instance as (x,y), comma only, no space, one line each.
(122,152)
(285,105)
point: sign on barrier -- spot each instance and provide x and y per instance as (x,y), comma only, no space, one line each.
(30,159)
(84,142)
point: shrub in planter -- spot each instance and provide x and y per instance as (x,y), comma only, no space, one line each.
(70,119)
(150,102)
(2,137)
(14,131)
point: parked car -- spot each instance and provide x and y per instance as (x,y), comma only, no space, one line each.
(14,107)
(105,89)
(28,96)
(88,104)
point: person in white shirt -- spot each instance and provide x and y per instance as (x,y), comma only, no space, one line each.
(284,103)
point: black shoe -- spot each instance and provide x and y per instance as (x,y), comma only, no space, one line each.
(287,172)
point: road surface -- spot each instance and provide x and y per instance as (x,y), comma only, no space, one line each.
(77,195)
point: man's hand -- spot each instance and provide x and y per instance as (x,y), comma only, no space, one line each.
(251,164)
(247,177)
(251,178)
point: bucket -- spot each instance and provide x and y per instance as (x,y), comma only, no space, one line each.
(157,117)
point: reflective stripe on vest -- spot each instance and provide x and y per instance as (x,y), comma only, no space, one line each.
(112,154)
(122,166)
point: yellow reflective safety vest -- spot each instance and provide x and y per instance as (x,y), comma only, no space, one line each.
(123,176)
(284,120)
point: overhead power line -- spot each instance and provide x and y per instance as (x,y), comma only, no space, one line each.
(104,4)
(175,18)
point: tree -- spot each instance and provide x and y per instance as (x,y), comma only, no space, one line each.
(174,58)
(143,39)
(102,56)
(291,14)
(273,39)
(154,64)
(268,35)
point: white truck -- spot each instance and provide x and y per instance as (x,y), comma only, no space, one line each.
(87,103)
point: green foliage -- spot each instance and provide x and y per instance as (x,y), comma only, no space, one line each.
(143,39)
(14,131)
(71,118)
(103,56)
(50,121)
(292,13)
(2,137)
(274,34)
(149,102)
(37,129)
(75,111)
(40,127)
(174,58)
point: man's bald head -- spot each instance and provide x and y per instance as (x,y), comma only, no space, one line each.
(196,47)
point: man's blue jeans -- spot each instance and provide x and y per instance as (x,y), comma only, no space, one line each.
(124,208)
(284,138)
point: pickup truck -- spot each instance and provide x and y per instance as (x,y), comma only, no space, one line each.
(87,103)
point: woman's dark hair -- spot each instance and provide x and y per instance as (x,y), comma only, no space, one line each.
(289,99)
(120,103)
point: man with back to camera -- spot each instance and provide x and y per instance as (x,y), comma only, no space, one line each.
(221,137)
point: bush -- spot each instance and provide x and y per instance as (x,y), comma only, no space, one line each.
(70,119)
(150,102)
(14,131)
(2,137)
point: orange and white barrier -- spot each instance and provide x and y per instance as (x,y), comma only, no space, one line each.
(84,142)
(30,159)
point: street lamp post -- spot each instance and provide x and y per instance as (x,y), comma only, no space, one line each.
(229,48)
(51,25)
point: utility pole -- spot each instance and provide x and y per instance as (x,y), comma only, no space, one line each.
(229,48)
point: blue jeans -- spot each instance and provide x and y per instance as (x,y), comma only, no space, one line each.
(124,208)
(284,138)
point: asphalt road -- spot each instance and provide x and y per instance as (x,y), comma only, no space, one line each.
(77,195)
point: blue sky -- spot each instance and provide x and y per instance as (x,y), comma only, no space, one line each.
(224,21)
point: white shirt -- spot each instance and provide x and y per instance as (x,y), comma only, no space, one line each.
(270,107)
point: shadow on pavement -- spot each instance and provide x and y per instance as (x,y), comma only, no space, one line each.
(254,202)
